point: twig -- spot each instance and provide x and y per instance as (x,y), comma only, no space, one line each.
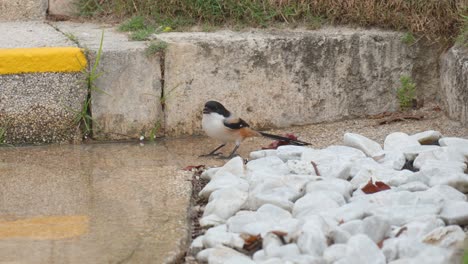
(315,168)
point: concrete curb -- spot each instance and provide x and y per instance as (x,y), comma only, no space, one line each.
(46,59)
(42,84)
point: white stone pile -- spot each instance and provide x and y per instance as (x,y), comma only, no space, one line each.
(303,217)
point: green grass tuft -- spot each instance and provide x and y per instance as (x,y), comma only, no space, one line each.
(433,18)
(142,34)
(136,23)
(155,47)
(406,93)
(462,38)
(408,38)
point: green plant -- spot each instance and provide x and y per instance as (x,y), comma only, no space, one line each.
(155,47)
(133,24)
(406,93)
(83,116)
(142,34)
(72,37)
(89,8)
(155,130)
(2,135)
(408,38)
(462,38)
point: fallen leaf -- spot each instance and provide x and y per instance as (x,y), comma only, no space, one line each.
(382,186)
(192,167)
(370,187)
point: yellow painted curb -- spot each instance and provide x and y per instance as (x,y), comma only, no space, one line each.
(31,60)
(45,228)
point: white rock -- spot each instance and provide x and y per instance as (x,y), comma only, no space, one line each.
(284,252)
(223,255)
(329,163)
(267,218)
(335,252)
(226,180)
(388,176)
(437,176)
(304,259)
(398,141)
(223,204)
(418,229)
(315,202)
(268,166)
(331,184)
(390,249)
(430,255)
(262,154)
(361,249)
(290,152)
(368,146)
(447,237)
(234,166)
(312,240)
(349,211)
(440,154)
(301,167)
(280,190)
(455,212)
(196,245)
(375,227)
(218,236)
(279,196)
(447,192)
(414,186)
(339,236)
(455,142)
(413,151)
(427,137)
(444,166)
(270,243)
(209,173)
(393,160)
(402,214)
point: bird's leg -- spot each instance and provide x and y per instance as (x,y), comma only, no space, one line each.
(233,153)
(213,153)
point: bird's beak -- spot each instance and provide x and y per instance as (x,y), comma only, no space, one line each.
(206,110)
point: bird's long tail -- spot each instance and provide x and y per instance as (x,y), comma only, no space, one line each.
(289,140)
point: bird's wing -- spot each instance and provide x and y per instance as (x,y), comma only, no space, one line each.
(235,123)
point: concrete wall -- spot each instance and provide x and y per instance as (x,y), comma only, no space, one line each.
(286,78)
(63,7)
(15,10)
(454,83)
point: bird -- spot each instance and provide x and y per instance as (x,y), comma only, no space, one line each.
(220,124)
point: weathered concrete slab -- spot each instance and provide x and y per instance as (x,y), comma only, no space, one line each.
(284,78)
(63,7)
(454,83)
(131,81)
(39,106)
(31,35)
(120,203)
(13,10)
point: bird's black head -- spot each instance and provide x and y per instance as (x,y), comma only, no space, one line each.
(215,107)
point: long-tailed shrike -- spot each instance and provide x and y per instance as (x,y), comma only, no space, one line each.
(220,124)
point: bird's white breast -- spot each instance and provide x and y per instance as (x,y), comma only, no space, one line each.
(213,125)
